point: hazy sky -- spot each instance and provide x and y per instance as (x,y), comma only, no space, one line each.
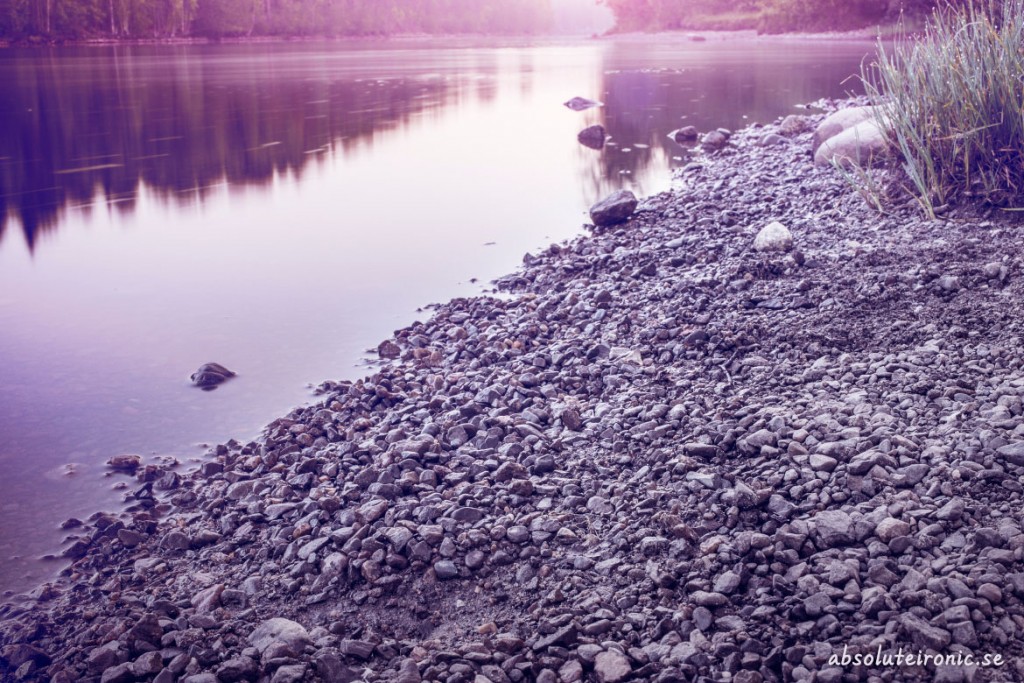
(581,16)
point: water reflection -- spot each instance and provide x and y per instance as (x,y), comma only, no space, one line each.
(78,122)
(182,120)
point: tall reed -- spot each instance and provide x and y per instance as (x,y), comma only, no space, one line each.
(956,118)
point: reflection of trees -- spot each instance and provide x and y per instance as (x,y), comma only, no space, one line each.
(109,119)
(708,86)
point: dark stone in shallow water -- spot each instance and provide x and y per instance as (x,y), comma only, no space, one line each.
(125,463)
(209,375)
(581,103)
(685,134)
(592,137)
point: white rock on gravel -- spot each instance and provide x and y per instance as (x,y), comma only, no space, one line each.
(279,630)
(774,237)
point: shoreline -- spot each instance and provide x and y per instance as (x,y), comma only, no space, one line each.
(653,456)
(868,33)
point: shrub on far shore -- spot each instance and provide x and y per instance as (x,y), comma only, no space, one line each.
(957,115)
(780,16)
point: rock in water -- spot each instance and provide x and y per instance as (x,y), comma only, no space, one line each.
(714,140)
(125,463)
(388,349)
(209,375)
(581,103)
(592,137)
(615,208)
(774,237)
(684,134)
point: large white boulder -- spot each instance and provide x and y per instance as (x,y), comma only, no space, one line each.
(861,145)
(838,121)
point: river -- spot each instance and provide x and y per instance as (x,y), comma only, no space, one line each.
(282,207)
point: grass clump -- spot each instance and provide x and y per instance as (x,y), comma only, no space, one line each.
(956,114)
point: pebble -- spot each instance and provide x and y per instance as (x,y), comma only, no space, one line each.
(611,666)
(773,237)
(445,570)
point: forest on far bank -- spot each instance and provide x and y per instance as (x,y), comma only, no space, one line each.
(27,21)
(57,20)
(769,16)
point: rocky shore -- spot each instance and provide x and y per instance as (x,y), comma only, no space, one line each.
(661,455)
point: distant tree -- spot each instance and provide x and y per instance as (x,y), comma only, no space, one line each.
(219,18)
(60,19)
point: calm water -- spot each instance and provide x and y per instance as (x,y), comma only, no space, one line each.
(279,208)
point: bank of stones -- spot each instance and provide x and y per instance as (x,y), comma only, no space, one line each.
(661,455)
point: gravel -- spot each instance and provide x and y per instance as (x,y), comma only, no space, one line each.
(657,455)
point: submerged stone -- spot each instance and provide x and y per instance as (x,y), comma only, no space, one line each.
(581,103)
(209,375)
(592,137)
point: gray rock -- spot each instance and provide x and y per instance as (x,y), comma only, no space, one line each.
(206,600)
(613,209)
(468,515)
(923,634)
(592,137)
(125,463)
(289,673)
(408,672)
(105,656)
(727,583)
(388,349)
(833,528)
(861,146)
(708,599)
(209,375)
(890,528)
(794,124)
(822,463)
(360,649)
(581,103)
(611,666)
(1012,453)
(475,559)
(714,140)
(571,419)
(121,673)
(17,654)
(238,669)
(951,511)
(446,570)
(990,592)
(995,270)
(280,630)
(332,670)
(685,134)
(838,121)
(773,237)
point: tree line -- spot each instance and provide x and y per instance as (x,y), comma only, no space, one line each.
(54,20)
(770,16)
